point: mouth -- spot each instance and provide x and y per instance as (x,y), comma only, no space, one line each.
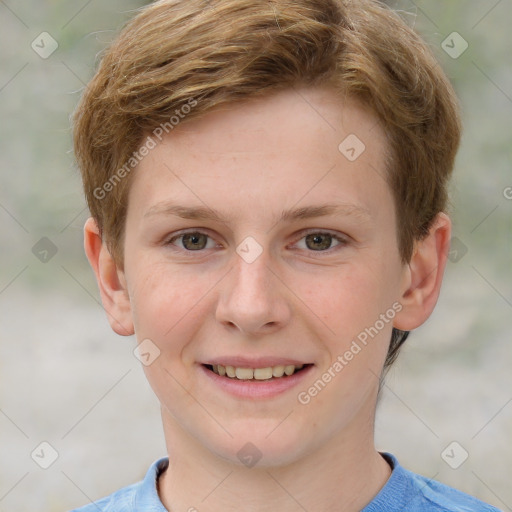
(255,378)
(268,373)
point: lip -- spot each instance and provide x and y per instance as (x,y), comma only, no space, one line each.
(256,389)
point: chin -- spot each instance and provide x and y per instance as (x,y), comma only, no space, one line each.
(257,448)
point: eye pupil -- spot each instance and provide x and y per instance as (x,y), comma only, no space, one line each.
(194,238)
(317,239)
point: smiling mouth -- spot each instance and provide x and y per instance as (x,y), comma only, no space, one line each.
(268,373)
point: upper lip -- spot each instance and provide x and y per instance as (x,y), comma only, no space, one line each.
(257,362)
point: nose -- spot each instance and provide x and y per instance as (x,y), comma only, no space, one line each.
(253,298)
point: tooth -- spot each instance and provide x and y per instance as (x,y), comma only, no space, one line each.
(278,371)
(289,369)
(257,373)
(244,373)
(263,373)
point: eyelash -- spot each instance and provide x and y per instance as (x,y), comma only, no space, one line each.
(343,241)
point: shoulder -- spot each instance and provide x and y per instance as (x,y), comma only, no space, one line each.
(409,491)
(442,498)
(120,501)
(142,495)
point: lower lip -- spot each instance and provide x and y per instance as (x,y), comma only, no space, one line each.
(257,389)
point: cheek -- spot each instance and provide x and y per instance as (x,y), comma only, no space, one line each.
(165,301)
(347,300)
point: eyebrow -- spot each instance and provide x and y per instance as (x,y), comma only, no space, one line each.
(305,212)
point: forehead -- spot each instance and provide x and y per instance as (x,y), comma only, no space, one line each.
(296,146)
(311,116)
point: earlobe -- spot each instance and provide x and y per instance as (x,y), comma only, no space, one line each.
(110,278)
(424,275)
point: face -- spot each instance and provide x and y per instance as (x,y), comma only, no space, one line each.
(298,264)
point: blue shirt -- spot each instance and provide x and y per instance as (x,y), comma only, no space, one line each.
(404,491)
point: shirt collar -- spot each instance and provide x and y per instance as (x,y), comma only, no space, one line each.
(394,490)
(146,498)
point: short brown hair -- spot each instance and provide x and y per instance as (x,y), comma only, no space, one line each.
(208,53)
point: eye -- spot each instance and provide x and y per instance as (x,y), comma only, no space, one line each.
(315,241)
(192,241)
(321,241)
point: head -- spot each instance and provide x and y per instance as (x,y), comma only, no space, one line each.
(252,109)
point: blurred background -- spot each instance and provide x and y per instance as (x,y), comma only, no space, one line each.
(67,381)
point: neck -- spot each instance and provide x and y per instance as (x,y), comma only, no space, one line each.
(343,475)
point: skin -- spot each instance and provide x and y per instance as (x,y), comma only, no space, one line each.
(251,161)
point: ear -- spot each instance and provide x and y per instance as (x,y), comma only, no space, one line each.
(111,280)
(423,275)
